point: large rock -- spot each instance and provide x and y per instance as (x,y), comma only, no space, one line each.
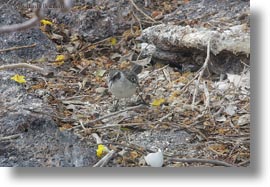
(183,39)
(102,19)
(28,135)
(44,47)
(41,144)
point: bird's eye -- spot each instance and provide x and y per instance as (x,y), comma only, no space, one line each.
(133,79)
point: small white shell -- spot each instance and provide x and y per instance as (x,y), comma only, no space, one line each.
(155,159)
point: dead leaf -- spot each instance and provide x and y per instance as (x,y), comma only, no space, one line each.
(116,56)
(157,15)
(167,75)
(221,118)
(133,155)
(143,62)
(100,72)
(230,110)
(244,120)
(219,149)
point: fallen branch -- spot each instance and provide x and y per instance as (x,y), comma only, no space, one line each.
(107,116)
(110,125)
(138,148)
(243,163)
(17,48)
(10,137)
(102,162)
(23,65)
(191,160)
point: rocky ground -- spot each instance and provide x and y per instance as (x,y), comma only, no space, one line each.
(195,118)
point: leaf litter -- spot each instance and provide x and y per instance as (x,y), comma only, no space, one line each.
(215,127)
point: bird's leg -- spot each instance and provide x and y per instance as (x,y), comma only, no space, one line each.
(115,106)
(138,92)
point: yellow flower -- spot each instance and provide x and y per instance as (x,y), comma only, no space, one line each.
(18,78)
(45,22)
(59,60)
(101,150)
(113,41)
(158,102)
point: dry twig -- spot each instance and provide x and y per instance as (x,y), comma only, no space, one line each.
(108,116)
(23,65)
(110,125)
(206,93)
(132,2)
(102,162)
(201,74)
(190,160)
(10,137)
(18,47)
(98,139)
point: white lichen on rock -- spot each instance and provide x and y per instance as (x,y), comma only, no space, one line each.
(236,39)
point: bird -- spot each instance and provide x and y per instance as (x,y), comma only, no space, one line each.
(124,83)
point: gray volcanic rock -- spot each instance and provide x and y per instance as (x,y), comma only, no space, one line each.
(41,144)
(28,135)
(44,47)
